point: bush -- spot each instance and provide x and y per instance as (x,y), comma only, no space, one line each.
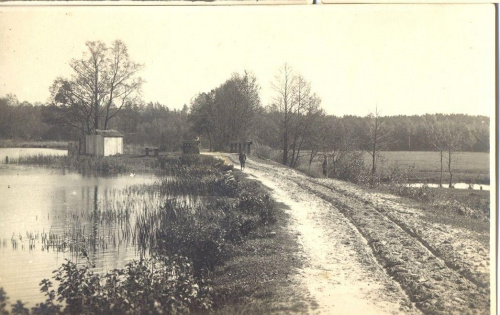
(262,151)
(206,233)
(154,286)
(351,168)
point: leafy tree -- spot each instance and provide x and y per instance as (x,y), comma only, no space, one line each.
(202,117)
(103,81)
(228,112)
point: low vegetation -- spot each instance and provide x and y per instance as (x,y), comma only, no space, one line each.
(399,171)
(10,143)
(91,164)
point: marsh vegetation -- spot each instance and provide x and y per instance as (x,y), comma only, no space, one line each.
(183,222)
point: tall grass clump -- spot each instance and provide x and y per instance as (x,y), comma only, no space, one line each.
(91,164)
(205,232)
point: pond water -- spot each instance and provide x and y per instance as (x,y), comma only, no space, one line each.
(14,153)
(47,216)
(456,186)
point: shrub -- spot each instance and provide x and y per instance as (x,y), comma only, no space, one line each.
(262,151)
(154,286)
(351,168)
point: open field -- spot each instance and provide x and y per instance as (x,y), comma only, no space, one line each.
(423,166)
(469,167)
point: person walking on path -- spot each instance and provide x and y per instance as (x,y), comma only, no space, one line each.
(243,158)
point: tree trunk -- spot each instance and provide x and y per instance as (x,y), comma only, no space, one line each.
(298,153)
(441,173)
(285,148)
(311,157)
(334,164)
(449,168)
(209,140)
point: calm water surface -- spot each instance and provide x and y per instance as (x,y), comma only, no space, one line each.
(456,186)
(84,217)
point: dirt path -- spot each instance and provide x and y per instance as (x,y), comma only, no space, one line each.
(364,253)
(341,275)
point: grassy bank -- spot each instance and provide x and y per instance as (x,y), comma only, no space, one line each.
(226,250)
(13,143)
(258,277)
(92,164)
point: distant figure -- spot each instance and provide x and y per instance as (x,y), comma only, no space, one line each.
(325,166)
(243,158)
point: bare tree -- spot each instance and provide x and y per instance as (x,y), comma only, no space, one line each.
(373,136)
(435,134)
(305,117)
(455,137)
(285,103)
(298,113)
(447,136)
(103,80)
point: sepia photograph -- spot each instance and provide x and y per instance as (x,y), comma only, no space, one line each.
(248,159)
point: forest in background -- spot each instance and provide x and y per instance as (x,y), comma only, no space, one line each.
(157,124)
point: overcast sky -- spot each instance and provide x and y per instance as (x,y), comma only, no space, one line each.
(405,59)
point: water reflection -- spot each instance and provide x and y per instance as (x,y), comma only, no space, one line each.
(456,186)
(47,216)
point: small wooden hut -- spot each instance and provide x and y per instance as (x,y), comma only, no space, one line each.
(104,143)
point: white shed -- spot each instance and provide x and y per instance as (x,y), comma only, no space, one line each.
(104,143)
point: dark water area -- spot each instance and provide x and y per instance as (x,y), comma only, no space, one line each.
(49,215)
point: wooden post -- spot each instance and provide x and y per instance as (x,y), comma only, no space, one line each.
(6,160)
(147,151)
(156,150)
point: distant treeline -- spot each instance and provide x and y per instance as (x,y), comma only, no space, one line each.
(148,124)
(156,124)
(411,133)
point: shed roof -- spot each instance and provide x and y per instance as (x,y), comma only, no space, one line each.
(109,133)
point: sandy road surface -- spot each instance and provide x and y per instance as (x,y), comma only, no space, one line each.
(364,253)
(340,273)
